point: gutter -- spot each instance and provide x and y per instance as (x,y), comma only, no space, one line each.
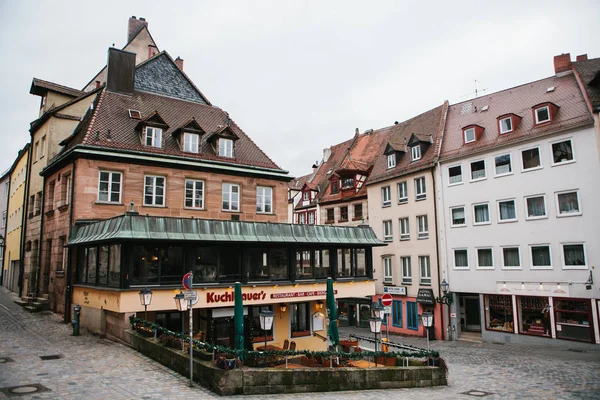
(69,291)
(24,219)
(41,243)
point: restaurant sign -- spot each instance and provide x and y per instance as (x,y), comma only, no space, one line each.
(300,294)
(212,297)
(425,296)
(397,290)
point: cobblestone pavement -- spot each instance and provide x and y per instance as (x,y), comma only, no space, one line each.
(94,368)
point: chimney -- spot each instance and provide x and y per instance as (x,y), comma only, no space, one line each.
(562,63)
(134,26)
(179,63)
(326,154)
(97,84)
(582,57)
(152,50)
(120,71)
(315,166)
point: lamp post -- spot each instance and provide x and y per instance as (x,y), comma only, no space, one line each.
(145,299)
(445,299)
(181,304)
(427,318)
(266,322)
(379,312)
(375,328)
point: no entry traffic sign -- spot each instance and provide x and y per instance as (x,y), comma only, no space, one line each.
(187,281)
(386,300)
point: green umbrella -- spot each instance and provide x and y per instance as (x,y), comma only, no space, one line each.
(238,317)
(334,335)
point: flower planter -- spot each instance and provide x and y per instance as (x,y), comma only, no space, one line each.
(202,355)
(144,333)
(226,363)
(387,361)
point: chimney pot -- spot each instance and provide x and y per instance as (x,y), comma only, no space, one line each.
(582,57)
(179,63)
(562,63)
(142,19)
(97,84)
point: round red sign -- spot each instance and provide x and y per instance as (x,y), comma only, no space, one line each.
(187,282)
(386,300)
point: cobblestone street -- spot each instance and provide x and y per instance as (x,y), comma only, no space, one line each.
(90,367)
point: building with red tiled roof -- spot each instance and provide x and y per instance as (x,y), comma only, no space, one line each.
(587,73)
(517,180)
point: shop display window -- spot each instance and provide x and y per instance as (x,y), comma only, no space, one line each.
(300,319)
(573,319)
(499,313)
(534,316)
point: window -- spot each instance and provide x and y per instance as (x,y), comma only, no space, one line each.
(507,211)
(231,197)
(43,146)
(68,183)
(412,315)
(397,313)
(194,194)
(50,200)
(533,315)
(302,218)
(386,196)
(402,193)
(458,217)
(311,217)
(461,258)
(422,227)
(574,256)
(536,207)
(264,199)
(358,211)
(330,215)
(425,268)
(503,165)
(348,183)
(4,219)
(404,229)
(481,214)
(344,213)
(62,265)
(153,137)
(498,313)
(415,153)
(154,191)
(109,187)
(455,175)
(387,270)
(485,258)
(511,258)
(300,319)
(506,125)
(306,196)
(225,147)
(190,142)
(542,115)
(406,270)
(478,170)
(36,150)
(562,152)
(420,188)
(540,257)
(531,159)
(335,186)
(387,231)
(469,135)
(567,204)
(391,161)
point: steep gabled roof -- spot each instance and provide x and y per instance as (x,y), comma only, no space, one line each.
(40,88)
(589,72)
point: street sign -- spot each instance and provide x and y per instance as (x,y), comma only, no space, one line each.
(190,295)
(387,310)
(187,281)
(386,300)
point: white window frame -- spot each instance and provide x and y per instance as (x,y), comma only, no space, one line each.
(502,132)
(511,267)
(504,221)
(572,214)
(452,224)
(388,231)
(386,196)
(562,255)
(415,153)
(164,196)
(403,199)
(477,257)
(388,269)
(537,120)
(454,257)
(422,234)
(523,169)
(465,131)
(450,183)
(68,187)
(489,221)
(264,199)
(110,182)
(512,170)
(534,267)
(406,267)
(226,147)
(527,217)
(391,161)
(420,195)
(191,142)
(230,196)
(195,183)
(484,177)
(404,235)
(568,139)
(425,279)
(155,137)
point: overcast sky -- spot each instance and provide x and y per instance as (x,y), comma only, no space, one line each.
(297,76)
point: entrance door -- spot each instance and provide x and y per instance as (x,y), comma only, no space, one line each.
(352,315)
(472,314)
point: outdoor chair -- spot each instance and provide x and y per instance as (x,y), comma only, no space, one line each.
(292,346)
(286,344)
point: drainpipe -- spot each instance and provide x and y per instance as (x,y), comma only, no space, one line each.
(69,290)
(24,219)
(437,247)
(41,242)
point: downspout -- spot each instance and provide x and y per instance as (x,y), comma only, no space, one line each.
(69,291)
(41,242)
(23,220)
(437,247)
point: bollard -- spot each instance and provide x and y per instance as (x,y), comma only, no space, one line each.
(75,322)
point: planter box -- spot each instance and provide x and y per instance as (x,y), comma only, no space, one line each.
(145,333)
(387,361)
(202,355)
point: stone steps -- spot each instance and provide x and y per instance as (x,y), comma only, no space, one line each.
(34,304)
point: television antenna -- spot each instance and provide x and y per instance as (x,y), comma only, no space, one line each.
(476,92)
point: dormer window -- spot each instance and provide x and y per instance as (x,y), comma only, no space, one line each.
(335,186)
(153,137)
(469,135)
(190,142)
(415,153)
(306,196)
(225,147)
(506,125)
(391,161)
(542,115)
(348,183)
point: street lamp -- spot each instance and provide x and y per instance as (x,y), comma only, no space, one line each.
(379,311)
(145,299)
(427,318)
(266,322)
(445,299)
(181,304)
(375,328)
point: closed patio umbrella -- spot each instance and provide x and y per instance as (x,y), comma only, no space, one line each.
(238,317)
(332,331)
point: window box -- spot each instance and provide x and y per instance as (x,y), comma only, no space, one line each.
(300,333)
(567,204)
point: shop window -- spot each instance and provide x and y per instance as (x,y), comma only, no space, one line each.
(103,265)
(534,316)
(343,310)
(498,313)
(412,315)
(169,320)
(397,313)
(300,319)
(573,319)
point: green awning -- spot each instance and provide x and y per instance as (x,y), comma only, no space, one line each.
(132,226)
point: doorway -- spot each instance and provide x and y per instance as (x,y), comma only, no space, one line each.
(472,314)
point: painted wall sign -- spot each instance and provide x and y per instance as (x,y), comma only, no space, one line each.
(397,290)
(212,297)
(534,289)
(300,294)
(425,296)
